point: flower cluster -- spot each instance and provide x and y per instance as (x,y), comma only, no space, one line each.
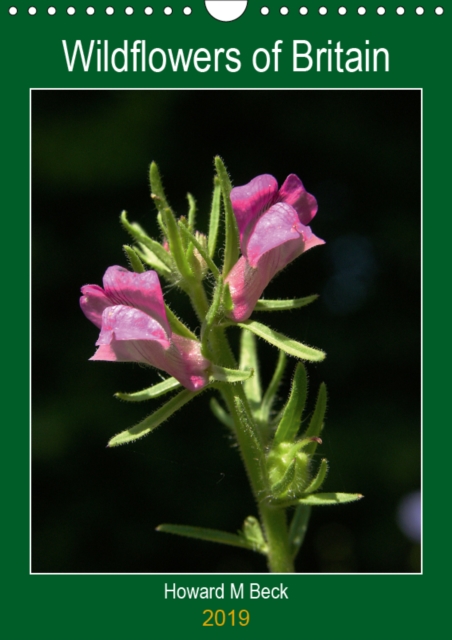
(130,310)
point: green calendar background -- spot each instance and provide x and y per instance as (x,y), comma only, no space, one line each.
(81,557)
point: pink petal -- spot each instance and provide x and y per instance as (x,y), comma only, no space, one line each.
(250,200)
(293,192)
(246,285)
(125,323)
(122,341)
(278,225)
(139,290)
(93,302)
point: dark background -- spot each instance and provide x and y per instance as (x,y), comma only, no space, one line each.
(96,509)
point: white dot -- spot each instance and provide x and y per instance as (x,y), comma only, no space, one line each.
(167,11)
(265,11)
(284,11)
(90,11)
(32,11)
(187,11)
(109,11)
(439,11)
(51,11)
(12,11)
(304,11)
(342,11)
(362,10)
(419,10)
(149,11)
(323,11)
(128,11)
(400,11)
(70,11)
(381,11)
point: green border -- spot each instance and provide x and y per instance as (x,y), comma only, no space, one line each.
(117,607)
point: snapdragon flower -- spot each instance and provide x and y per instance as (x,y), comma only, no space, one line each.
(130,312)
(273,229)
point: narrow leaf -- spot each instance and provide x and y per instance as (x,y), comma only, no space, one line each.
(221,415)
(175,243)
(210,535)
(140,236)
(317,482)
(270,394)
(152,392)
(292,347)
(291,416)
(298,527)
(214,219)
(285,481)
(191,212)
(177,325)
(154,420)
(227,299)
(157,191)
(134,259)
(221,374)
(320,499)
(149,258)
(192,238)
(231,250)
(318,417)
(284,305)
(248,361)
(210,318)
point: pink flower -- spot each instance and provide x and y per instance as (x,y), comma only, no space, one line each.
(131,315)
(273,228)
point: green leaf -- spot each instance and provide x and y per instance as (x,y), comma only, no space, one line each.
(285,481)
(252,533)
(221,374)
(178,326)
(298,527)
(134,259)
(284,305)
(210,319)
(191,212)
(248,362)
(318,417)
(321,499)
(154,247)
(154,420)
(149,258)
(214,219)
(210,535)
(270,394)
(157,191)
(231,250)
(227,299)
(221,415)
(292,347)
(175,244)
(292,412)
(192,238)
(317,482)
(151,392)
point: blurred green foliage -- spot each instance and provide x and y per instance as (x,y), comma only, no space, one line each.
(358,152)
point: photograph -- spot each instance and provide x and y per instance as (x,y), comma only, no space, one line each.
(226,331)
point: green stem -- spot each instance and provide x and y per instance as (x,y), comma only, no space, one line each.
(198,297)
(252,450)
